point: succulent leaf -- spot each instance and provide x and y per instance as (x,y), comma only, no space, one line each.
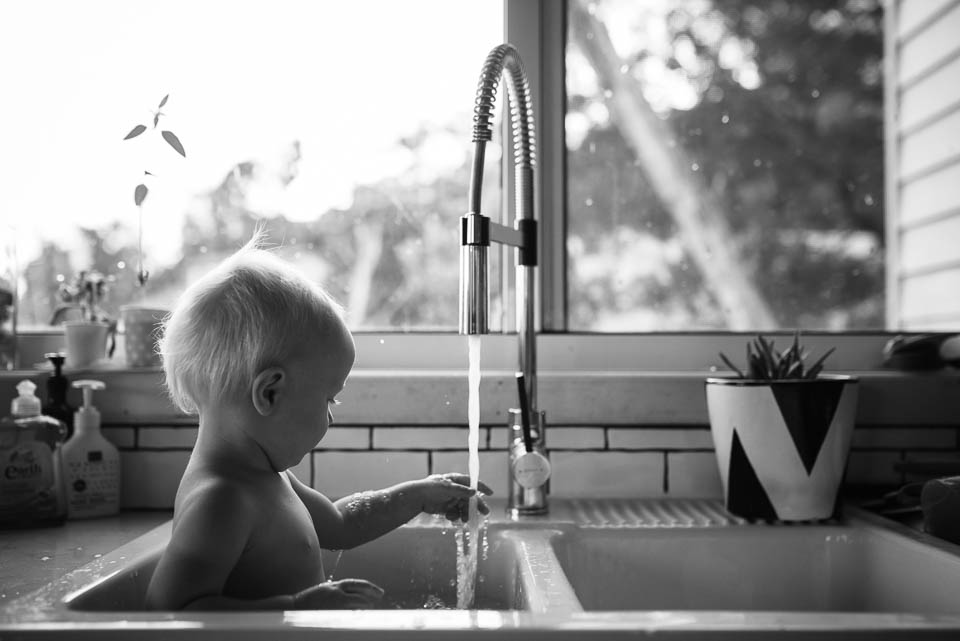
(765,362)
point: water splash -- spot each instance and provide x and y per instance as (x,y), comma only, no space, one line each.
(366,502)
(336,562)
(434,602)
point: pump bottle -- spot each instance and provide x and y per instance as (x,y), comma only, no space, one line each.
(91,463)
(31,484)
(57,386)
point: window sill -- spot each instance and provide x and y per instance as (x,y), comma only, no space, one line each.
(569,397)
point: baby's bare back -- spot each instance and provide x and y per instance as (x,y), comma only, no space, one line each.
(281,554)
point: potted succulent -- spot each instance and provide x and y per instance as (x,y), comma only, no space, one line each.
(86,326)
(781,432)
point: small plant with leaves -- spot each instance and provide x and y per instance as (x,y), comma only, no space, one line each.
(766,363)
(85,292)
(140,191)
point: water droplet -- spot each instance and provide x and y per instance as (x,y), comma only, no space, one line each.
(44,558)
(121,264)
(588,202)
(97,556)
(815,93)
(608,94)
(695,167)
(757,162)
(624,68)
(383,342)
(725,119)
(868,199)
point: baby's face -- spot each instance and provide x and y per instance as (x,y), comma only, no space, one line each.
(316,377)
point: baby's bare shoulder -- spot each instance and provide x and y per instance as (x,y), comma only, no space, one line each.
(211,496)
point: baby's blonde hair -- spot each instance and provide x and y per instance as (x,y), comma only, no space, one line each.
(252,311)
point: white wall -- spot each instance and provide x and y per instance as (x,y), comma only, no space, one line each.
(923,163)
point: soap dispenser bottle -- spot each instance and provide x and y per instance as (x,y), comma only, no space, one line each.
(91,463)
(57,386)
(31,484)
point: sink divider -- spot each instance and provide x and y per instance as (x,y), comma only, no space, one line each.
(545,585)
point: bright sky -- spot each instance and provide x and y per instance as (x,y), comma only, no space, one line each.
(245,78)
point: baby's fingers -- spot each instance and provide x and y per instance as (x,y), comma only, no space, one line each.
(360,588)
(464,480)
(482,506)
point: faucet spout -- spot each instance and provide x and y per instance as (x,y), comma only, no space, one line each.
(477,231)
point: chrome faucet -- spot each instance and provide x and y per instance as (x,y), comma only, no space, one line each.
(476,234)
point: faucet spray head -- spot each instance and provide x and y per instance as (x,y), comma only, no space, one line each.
(474,286)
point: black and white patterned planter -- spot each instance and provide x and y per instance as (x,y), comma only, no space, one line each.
(782,446)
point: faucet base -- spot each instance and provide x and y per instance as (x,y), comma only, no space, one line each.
(518,512)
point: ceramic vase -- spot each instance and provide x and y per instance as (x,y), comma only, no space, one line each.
(86,342)
(782,446)
(141,330)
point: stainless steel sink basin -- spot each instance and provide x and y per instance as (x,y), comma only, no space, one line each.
(416,567)
(787,568)
(592,568)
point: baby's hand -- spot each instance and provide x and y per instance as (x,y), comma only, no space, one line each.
(449,495)
(345,594)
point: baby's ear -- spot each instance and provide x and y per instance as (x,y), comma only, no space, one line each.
(267,387)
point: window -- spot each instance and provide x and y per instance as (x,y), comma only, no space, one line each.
(344,127)
(805,224)
(725,165)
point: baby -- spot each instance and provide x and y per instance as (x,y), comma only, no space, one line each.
(260,353)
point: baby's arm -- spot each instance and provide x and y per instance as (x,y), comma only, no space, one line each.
(209,536)
(363,517)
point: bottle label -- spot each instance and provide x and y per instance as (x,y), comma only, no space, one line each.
(27,481)
(93,481)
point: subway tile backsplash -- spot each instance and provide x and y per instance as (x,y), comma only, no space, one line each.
(620,461)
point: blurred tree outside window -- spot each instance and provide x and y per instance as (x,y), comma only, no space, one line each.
(343,127)
(725,165)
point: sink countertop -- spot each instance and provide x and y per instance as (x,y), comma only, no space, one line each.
(33,557)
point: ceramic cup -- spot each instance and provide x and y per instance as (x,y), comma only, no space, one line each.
(141,328)
(86,342)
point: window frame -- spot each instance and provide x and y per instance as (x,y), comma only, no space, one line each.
(538,29)
(635,380)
